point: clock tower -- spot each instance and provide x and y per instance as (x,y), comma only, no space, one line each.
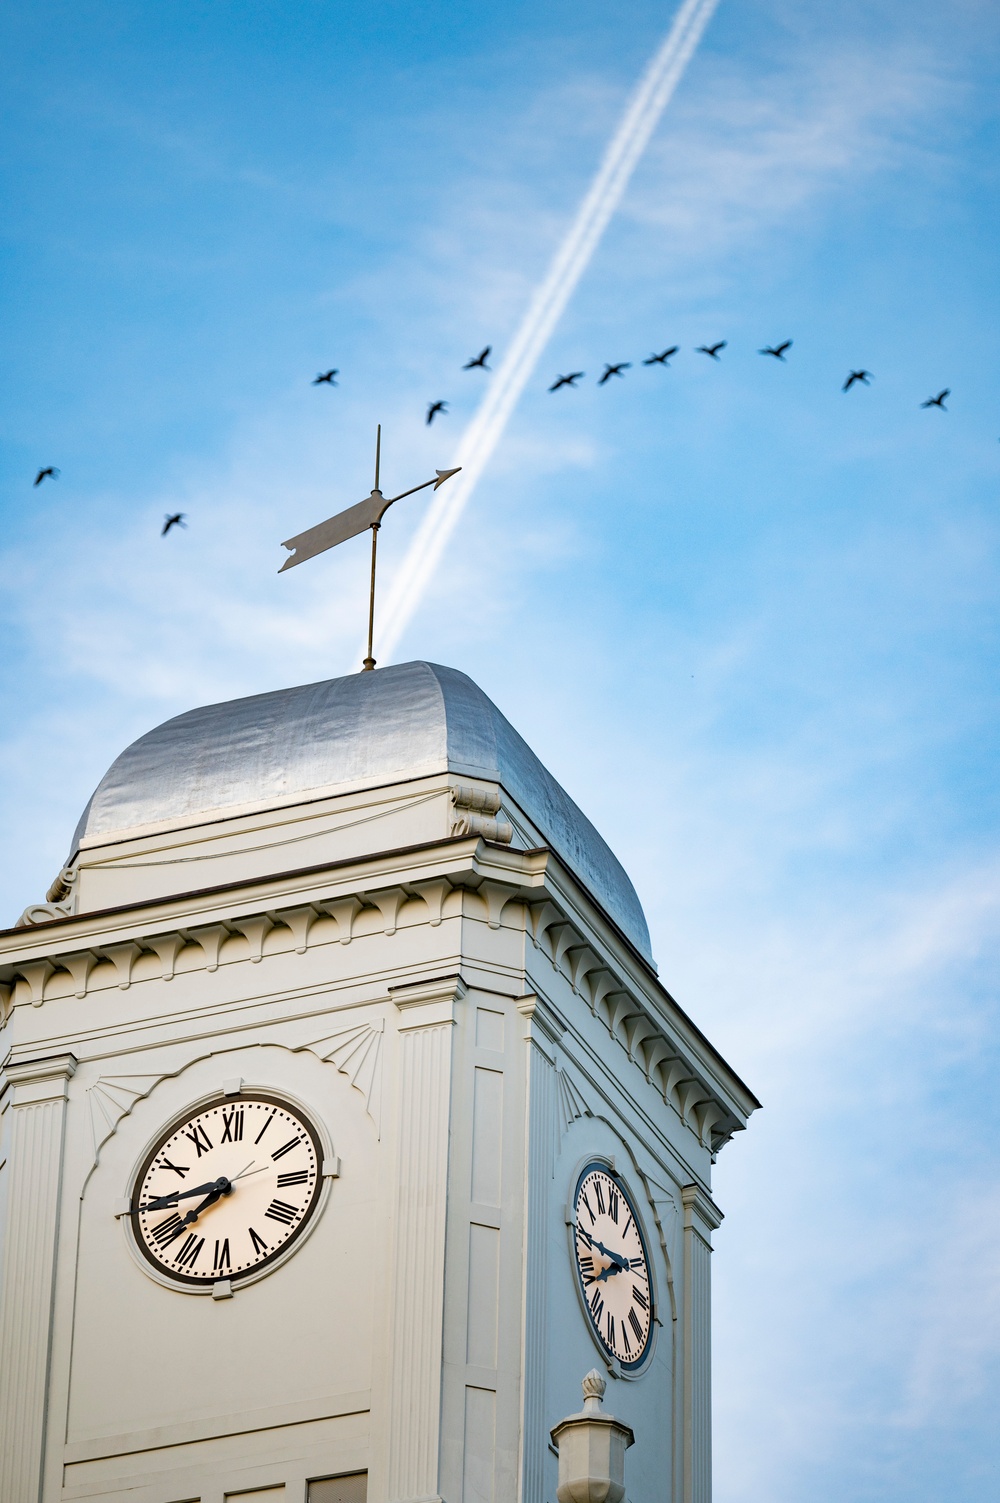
(345,1124)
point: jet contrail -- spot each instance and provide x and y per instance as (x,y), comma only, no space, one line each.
(568,265)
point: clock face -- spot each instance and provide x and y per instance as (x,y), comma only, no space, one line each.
(227,1190)
(612,1266)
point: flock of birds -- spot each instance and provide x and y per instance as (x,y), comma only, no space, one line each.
(619,367)
(616,368)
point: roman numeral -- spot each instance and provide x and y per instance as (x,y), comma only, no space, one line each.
(199,1137)
(587,1266)
(586,1202)
(628,1344)
(611,1330)
(180,1169)
(613,1203)
(286,1148)
(599,1197)
(597,1306)
(221,1255)
(266,1126)
(639,1296)
(636,1324)
(298,1178)
(636,1263)
(165,1231)
(259,1245)
(625,1229)
(280,1210)
(584,1235)
(232,1125)
(189,1250)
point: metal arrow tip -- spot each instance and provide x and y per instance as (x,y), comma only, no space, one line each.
(443,475)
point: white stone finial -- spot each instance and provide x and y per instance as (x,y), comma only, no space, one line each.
(593,1391)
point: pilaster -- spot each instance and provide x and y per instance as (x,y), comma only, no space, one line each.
(417,1301)
(542,1031)
(37,1091)
(701,1218)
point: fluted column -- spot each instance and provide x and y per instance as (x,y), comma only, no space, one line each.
(701,1218)
(417,1314)
(542,1031)
(37,1093)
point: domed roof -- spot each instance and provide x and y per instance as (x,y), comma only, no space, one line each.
(410,720)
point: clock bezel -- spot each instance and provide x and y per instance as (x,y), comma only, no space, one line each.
(325,1156)
(615,1366)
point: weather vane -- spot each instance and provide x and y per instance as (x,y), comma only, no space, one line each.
(347,524)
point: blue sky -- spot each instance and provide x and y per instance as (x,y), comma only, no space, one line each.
(750,622)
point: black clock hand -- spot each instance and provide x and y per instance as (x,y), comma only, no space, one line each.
(164,1202)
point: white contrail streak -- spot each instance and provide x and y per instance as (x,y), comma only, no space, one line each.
(568,265)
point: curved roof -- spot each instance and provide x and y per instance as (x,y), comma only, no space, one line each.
(406,721)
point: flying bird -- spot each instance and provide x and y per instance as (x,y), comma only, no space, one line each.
(615,370)
(863,376)
(177,520)
(938,401)
(711,349)
(51,473)
(570,380)
(434,409)
(664,357)
(480,360)
(777,350)
(326,376)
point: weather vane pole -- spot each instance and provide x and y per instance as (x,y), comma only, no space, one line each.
(347,524)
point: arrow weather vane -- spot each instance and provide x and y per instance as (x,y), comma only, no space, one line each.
(347,524)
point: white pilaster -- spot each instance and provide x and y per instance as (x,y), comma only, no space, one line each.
(38,1095)
(701,1218)
(542,1031)
(417,1300)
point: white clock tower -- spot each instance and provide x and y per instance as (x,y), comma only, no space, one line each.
(345,1125)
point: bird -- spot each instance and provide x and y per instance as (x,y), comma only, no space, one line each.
(777,350)
(711,349)
(938,401)
(664,357)
(570,380)
(863,376)
(434,409)
(176,520)
(615,370)
(326,376)
(50,472)
(480,360)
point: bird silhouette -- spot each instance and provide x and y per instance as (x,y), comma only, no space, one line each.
(777,350)
(570,380)
(49,473)
(434,409)
(327,377)
(664,356)
(938,401)
(615,370)
(711,349)
(480,360)
(176,520)
(863,376)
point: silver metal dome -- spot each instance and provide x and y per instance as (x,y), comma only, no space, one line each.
(366,730)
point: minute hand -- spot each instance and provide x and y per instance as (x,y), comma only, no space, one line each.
(621,1264)
(163,1202)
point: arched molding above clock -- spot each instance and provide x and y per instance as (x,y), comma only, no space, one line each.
(356,1051)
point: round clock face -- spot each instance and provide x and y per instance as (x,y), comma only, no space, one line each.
(227,1190)
(612,1266)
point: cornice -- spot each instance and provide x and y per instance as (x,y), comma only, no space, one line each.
(563,923)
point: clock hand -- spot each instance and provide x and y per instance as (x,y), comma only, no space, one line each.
(164,1202)
(620,1264)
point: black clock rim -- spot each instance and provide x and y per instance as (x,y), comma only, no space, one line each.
(211,1105)
(604,1167)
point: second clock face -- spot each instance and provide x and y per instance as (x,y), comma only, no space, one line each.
(612,1266)
(227,1190)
